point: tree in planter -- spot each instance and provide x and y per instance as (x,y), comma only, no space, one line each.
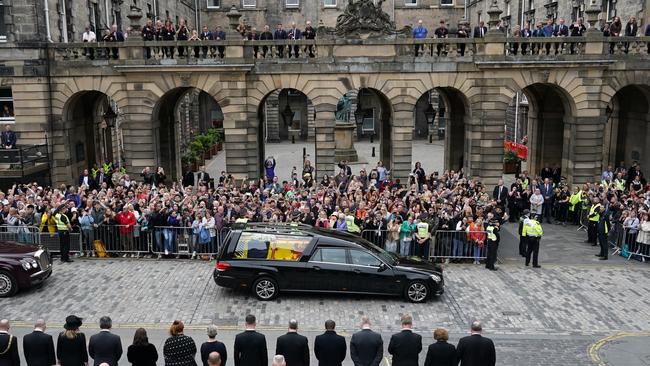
(213,134)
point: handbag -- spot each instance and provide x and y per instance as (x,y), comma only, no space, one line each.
(204,236)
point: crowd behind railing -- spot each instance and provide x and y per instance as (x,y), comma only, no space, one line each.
(164,40)
(440,216)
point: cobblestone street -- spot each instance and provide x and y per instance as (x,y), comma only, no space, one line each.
(545,316)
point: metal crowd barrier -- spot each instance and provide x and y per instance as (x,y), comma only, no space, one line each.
(444,244)
(625,243)
(170,240)
(31,235)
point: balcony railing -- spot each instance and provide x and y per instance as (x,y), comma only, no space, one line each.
(23,161)
(219,52)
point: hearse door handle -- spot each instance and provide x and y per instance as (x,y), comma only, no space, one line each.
(317,268)
(357,271)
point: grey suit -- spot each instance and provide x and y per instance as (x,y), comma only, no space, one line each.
(105,347)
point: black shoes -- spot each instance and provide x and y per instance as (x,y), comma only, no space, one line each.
(602,258)
(538,266)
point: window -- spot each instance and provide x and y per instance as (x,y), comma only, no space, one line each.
(410,2)
(361,258)
(214,4)
(6,106)
(329,3)
(3,29)
(446,2)
(270,247)
(329,255)
(292,3)
(249,3)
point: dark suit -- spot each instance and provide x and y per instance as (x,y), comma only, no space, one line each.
(330,349)
(476,350)
(547,192)
(105,347)
(91,184)
(441,354)
(366,348)
(405,347)
(8,139)
(202,177)
(477,32)
(295,349)
(501,194)
(38,348)
(250,349)
(71,352)
(10,357)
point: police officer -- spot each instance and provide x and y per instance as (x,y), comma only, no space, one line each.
(493,239)
(603,230)
(422,237)
(63,228)
(148,35)
(594,217)
(575,205)
(533,232)
(522,238)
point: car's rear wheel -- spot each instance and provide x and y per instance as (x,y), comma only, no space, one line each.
(265,288)
(8,285)
(417,291)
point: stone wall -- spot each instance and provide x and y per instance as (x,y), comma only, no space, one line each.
(272,12)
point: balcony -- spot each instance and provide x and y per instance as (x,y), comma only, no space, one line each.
(28,163)
(329,53)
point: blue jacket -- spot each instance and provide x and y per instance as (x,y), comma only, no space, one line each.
(420,32)
(548,30)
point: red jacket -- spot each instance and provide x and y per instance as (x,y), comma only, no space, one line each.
(127,221)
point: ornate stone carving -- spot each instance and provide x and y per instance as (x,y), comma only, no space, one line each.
(362,18)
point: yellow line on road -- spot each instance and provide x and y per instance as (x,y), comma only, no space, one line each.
(594,348)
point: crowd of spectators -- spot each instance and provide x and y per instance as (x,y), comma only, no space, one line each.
(366,346)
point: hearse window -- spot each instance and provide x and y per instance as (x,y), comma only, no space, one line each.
(329,255)
(270,247)
(363,259)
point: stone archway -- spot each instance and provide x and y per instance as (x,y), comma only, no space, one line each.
(548,127)
(286,120)
(91,138)
(448,109)
(178,116)
(627,133)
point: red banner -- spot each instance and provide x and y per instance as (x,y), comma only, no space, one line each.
(519,149)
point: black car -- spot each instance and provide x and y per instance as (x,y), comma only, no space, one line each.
(274,258)
(22,266)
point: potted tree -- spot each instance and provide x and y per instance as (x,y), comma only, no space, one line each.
(196,148)
(510,162)
(219,140)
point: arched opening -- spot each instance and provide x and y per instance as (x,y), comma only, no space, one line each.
(185,121)
(286,132)
(367,112)
(439,130)
(541,111)
(92,120)
(627,135)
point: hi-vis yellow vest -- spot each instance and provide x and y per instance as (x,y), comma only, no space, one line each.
(423,230)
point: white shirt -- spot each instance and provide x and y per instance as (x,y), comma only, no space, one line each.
(89,36)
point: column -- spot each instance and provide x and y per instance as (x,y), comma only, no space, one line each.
(484,142)
(401,152)
(325,143)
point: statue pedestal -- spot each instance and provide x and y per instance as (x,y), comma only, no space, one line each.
(343,135)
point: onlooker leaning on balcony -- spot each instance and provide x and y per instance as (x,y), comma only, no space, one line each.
(8,138)
(280,35)
(419,32)
(310,34)
(167,34)
(205,35)
(114,36)
(294,34)
(220,35)
(148,35)
(463,32)
(90,37)
(441,32)
(182,34)
(266,36)
(631,29)
(480,30)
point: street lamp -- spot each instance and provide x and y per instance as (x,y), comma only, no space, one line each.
(359,113)
(110,117)
(430,114)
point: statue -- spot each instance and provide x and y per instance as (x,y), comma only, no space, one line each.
(363,17)
(343,109)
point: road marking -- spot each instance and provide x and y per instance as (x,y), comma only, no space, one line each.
(594,348)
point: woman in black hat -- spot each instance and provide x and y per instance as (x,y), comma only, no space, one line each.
(71,346)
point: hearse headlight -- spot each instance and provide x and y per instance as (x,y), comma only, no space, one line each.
(436,278)
(28,263)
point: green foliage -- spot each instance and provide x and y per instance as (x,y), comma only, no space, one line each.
(510,156)
(196,147)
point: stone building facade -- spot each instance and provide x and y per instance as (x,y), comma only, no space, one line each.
(534,11)
(257,13)
(29,20)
